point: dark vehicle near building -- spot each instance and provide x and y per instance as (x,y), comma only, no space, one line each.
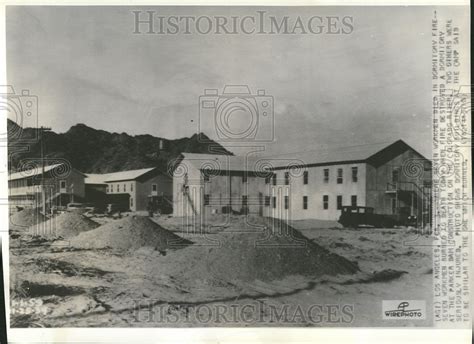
(113,208)
(355,216)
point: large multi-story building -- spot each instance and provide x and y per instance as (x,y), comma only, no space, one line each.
(391,178)
(134,189)
(56,184)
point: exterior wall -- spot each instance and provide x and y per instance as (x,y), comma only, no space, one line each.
(24,191)
(96,194)
(95,188)
(220,187)
(189,203)
(127,187)
(315,191)
(144,190)
(221,190)
(409,192)
(373,188)
(75,184)
(140,191)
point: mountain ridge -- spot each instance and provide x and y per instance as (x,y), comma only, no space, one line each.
(92,150)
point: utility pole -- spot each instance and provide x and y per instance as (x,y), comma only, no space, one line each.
(43,191)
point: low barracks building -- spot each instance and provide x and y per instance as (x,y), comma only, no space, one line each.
(133,188)
(391,178)
(61,185)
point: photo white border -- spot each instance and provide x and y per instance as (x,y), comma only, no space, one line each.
(209,335)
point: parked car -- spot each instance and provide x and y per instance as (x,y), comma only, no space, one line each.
(75,206)
(353,216)
(115,207)
(56,209)
(89,207)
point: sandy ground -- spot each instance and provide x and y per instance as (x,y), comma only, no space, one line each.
(56,285)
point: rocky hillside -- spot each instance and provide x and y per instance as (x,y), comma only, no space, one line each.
(97,151)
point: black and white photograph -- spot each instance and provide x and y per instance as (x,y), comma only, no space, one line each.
(237,166)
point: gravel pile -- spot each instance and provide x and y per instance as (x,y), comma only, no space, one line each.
(274,253)
(65,225)
(26,218)
(130,233)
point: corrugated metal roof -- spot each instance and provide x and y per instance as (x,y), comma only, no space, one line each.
(311,157)
(127,175)
(96,178)
(103,178)
(32,172)
(332,155)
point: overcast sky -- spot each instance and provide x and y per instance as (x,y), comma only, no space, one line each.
(86,66)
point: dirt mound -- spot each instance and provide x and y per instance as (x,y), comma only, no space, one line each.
(269,254)
(130,233)
(66,225)
(26,218)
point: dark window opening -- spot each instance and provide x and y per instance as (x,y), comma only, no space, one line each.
(287,178)
(305,177)
(395,175)
(339,202)
(267,201)
(305,202)
(339,175)
(206,199)
(326,175)
(325,202)
(354,200)
(287,202)
(274,202)
(354,174)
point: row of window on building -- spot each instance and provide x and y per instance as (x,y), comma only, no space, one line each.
(326,177)
(110,188)
(29,182)
(272,200)
(20,183)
